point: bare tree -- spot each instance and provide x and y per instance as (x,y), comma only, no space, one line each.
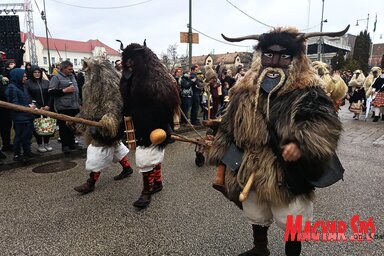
(166,61)
(170,59)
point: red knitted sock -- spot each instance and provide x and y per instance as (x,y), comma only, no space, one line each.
(125,162)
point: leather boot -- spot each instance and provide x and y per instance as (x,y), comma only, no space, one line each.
(125,173)
(127,169)
(157,179)
(292,248)
(145,197)
(89,185)
(375,119)
(260,240)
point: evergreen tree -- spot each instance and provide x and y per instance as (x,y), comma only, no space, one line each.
(351,64)
(361,50)
(338,61)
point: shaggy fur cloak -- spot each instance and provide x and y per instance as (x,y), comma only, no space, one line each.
(300,111)
(357,81)
(102,102)
(335,86)
(150,94)
(371,79)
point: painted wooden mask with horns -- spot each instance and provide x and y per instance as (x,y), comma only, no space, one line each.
(278,48)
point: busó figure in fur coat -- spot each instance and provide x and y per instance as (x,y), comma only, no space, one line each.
(151,99)
(279,121)
(103,103)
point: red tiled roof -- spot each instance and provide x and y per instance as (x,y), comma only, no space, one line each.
(72,45)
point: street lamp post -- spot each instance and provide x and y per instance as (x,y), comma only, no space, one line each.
(190,34)
(320,43)
(367,20)
(44,18)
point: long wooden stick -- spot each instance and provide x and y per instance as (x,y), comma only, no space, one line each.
(35,111)
(185,139)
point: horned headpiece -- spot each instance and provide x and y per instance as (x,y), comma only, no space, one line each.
(137,49)
(290,38)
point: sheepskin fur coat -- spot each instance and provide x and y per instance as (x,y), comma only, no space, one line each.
(299,111)
(102,102)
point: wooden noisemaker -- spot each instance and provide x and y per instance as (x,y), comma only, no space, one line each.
(130,131)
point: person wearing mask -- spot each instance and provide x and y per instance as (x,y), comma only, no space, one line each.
(38,90)
(63,87)
(17,93)
(277,138)
(150,97)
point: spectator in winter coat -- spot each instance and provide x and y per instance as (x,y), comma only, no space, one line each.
(64,89)
(18,94)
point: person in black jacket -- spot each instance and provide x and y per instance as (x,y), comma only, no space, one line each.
(378,101)
(357,101)
(38,90)
(186,94)
(5,114)
(197,88)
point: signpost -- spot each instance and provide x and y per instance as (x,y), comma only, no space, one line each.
(184,37)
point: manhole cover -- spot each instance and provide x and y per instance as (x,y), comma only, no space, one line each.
(54,167)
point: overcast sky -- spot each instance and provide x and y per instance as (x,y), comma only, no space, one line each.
(161,21)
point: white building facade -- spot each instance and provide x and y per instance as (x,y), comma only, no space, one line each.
(62,49)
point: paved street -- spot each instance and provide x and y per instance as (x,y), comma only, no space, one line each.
(41,214)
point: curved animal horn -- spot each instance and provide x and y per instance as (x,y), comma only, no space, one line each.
(239,39)
(121,44)
(330,34)
(145,42)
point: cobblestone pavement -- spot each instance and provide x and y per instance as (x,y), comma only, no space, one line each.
(41,214)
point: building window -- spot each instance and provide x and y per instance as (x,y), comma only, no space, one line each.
(53,60)
(68,59)
(61,59)
(75,62)
(45,60)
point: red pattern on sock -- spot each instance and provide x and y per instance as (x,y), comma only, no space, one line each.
(148,177)
(157,173)
(125,162)
(95,175)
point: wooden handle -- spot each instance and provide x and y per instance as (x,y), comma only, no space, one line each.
(55,115)
(247,188)
(220,174)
